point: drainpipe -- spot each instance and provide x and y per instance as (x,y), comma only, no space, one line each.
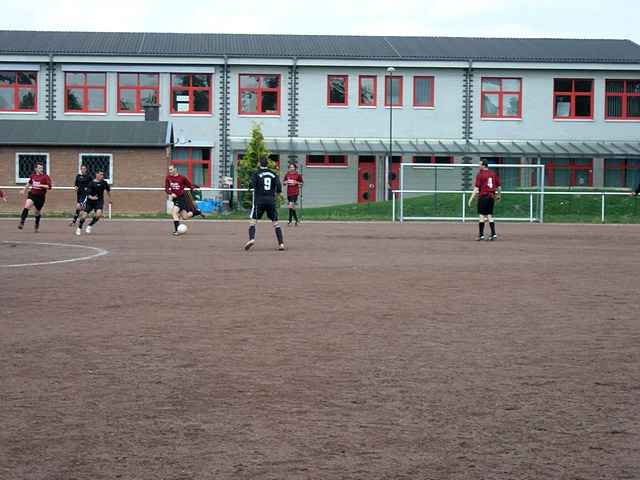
(51,75)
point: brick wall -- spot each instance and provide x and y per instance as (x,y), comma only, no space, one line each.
(132,167)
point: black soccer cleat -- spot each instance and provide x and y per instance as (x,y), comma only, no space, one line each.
(281,247)
(249,245)
(480,238)
(493,237)
(20,226)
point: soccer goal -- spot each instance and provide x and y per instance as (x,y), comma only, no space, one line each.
(441,192)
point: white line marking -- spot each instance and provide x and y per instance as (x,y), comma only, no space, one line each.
(100,252)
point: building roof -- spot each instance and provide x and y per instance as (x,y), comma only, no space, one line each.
(85,133)
(320,46)
(485,148)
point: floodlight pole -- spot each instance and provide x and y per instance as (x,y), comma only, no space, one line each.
(389,172)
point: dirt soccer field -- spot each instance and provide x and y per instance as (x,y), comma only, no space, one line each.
(368,351)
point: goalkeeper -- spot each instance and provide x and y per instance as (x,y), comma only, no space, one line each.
(487,189)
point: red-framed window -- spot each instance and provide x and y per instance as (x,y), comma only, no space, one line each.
(194,163)
(501,97)
(367,91)
(423,91)
(327,161)
(18,91)
(85,92)
(622,100)
(191,93)
(431,159)
(568,172)
(393,91)
(259,94)
(137,90)
(573,98)
(622,172)
(337,90)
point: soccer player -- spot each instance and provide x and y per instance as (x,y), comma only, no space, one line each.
(94,202)
(265,185)
(636,191)
(38,185)
(487,188)
(3,196)
(183,208)
(293,181)
(83,179)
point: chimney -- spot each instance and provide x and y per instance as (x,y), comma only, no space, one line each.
(151,113)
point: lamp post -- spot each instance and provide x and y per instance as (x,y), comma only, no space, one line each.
(389,175)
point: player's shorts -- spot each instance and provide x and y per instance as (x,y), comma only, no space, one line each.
(38,200)
(181,203)
(485,205)
(260,209)
(81,197)
(292,199)
(92,205)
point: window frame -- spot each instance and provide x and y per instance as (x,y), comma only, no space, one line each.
(624,95)
(432,159)
(326,163)
(623,170)
(20,180)
(138,90)
(16,89)
(98,154)
(375,91)
(550,168)
(387,79)
(189,162)
(190,90)
(500,93)
(573,94)
(85,94)
(345,79)
(258,91)
(433,91)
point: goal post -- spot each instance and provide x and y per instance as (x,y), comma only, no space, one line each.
(441,192)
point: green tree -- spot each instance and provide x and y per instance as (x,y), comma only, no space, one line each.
(249,162)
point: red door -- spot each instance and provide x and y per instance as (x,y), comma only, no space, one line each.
(395,172)
(366,179)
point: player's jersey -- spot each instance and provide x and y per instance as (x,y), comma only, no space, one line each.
(97,188)
(40,183)
(293,188)
(266,185)
(82,182)
(487,182)
(177,184)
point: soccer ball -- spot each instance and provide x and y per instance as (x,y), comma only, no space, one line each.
(182,228)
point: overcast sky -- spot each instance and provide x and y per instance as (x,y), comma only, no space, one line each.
(485,18)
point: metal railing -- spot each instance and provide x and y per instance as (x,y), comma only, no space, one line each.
(135,189)
(531,218)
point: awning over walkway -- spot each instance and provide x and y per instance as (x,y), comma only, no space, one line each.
(486,148)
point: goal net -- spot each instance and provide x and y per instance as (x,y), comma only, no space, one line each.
(441,192)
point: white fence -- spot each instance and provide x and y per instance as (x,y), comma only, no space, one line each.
(465,215)
(208,193)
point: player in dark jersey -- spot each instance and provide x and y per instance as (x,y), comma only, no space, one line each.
(636,191)
(80,185)
(176,185)
(293,181)
(265,185)
(487,189)
(38,185)
(94,202)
